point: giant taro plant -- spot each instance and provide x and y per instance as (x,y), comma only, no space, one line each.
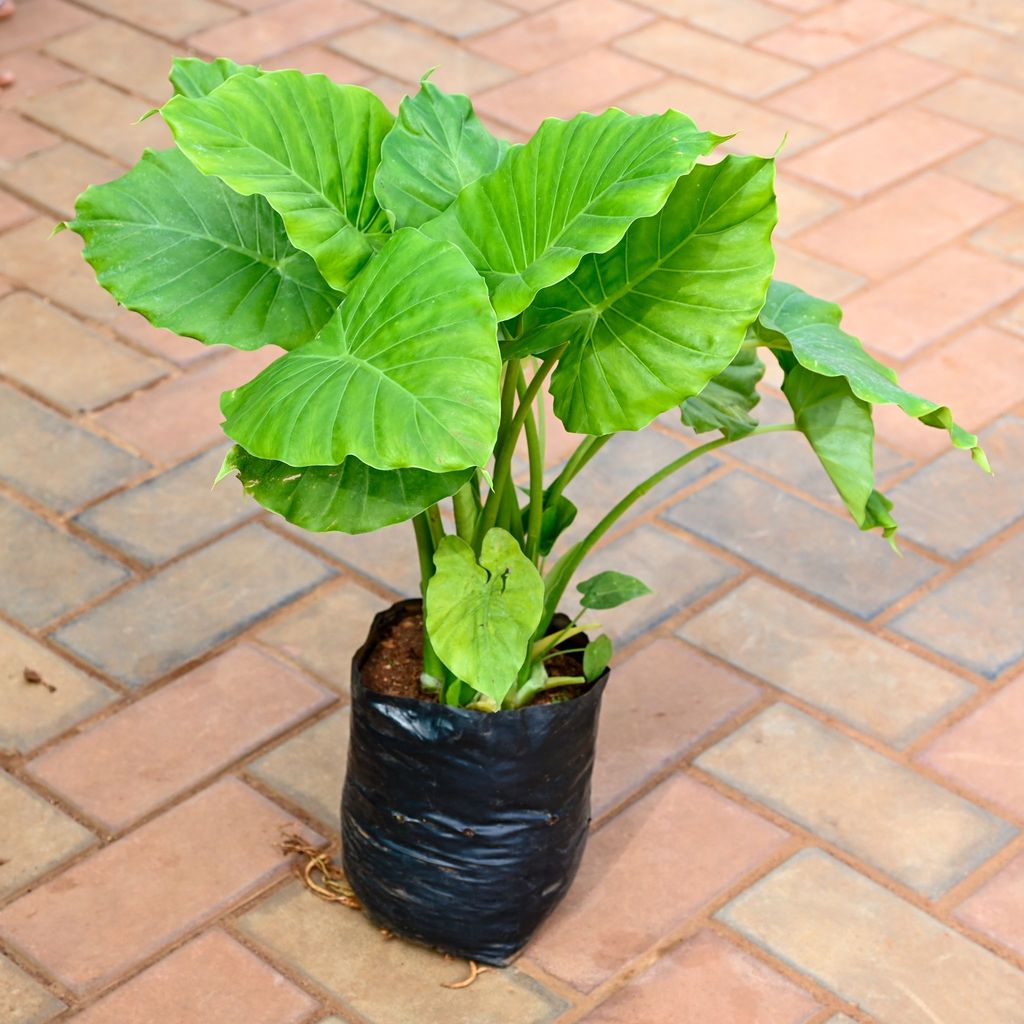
(427,281)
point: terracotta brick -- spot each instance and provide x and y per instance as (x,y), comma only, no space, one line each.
(207,597)
(91,465)
(757,130)
(212,979)
(41,555)
(809,547)
(998,15)
(825,280)
(406,52)
(821,659)
(345,955)
(36,836)
(630,890)
(902,225)
(315,59)
(949,509)
(997,908)
(828,36)
(716,62)
(281,27)
(996,164)
(706,979)
(592,82)
(986,105)
(1004,236)
(983,752)
(54,267)
(309,768)
(324,633)
(24,1000)
(32,73)
(19,138)
(929,300)
(872,948)
(856,90)
(454,18)
(878,810)
(39,21)
(56,176)
(209,853)
(12,211)
(879,153)
(175,21)
(970,50)
(165,344)
(565,30)
(181,416)
(32,714)
(800,205)
(187,732)
(62,360)
(660,702)
(170,513)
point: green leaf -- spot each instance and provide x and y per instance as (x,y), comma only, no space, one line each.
(653,321)
(726,401)
(573,189)
(196,258)
(406,375)
(810,328)
(596,657)
(838,426)
(193,77)
(480,616)
(309,146)
(437,147)
(351,498)
(609,589)
(555,520)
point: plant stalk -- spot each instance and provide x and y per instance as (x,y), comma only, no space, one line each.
(432,665)
(465,504)
(584,452)
(535,450)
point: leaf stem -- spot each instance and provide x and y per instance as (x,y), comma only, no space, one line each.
(465,512)
(535,449)
(584,452)
(425,546)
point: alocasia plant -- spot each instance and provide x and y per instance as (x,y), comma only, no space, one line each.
(427,281)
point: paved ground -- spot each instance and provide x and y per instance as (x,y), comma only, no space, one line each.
(811,785)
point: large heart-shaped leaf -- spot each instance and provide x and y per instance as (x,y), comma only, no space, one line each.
(726,401)
(437,147)
(810,328)
(351,498)
(653,321)
(480,616)
(838,426)
(199,259)
(405,375)
(573,189)
(311,147)
(193,77)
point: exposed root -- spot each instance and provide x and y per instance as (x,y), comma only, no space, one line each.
(475,970)
(319,872)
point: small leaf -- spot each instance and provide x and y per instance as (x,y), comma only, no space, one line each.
(193,77)
(480,615)
(596,657)
(726,401)
(610,589)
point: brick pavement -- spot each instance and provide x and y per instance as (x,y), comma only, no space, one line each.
(810,793)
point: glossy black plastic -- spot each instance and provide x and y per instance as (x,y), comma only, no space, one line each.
(460,829)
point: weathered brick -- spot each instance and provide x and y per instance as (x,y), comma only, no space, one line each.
(62,360)
(316,59)
(170,513)
(41,555)
(969,49)
(999,15)
(32,714)
(169,346)
(19,138)
(88,465)
(12,211)
(986,105)
(24,1000)
(825,280)
(924,836)
(997,908)
(147,753)
(995,164)
(36,836)
(32,73)
(39,21)
(207,597)
(819,658)
(57,175)
(800,543)
(740,20)
(800,205)
(176,21)
(1004,236)
(454,18)
(872,948)
(211,852)
(344,954)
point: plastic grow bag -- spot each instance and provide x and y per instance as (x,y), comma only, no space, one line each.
(460,829)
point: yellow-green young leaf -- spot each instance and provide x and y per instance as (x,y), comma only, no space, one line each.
(792,319)
(309,146)
(727,399)
(350,498)
(196,258)
(406,375)
(193,77)
(596,657)
(437,147)
(480,616)
(650,323)
(573,189)
(609,589)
